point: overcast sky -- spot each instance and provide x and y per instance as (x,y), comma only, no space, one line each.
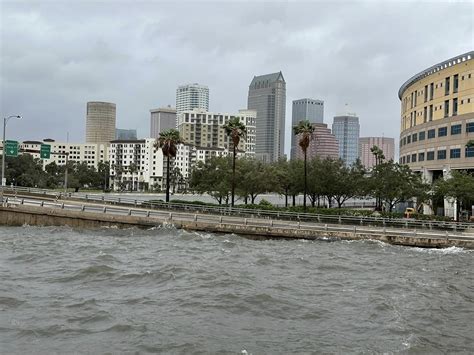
(57,55)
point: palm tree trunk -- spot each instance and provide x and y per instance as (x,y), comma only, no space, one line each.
(168,179)
(305,187)
(233,178)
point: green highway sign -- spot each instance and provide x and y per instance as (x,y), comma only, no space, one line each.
(11,149)
(45,151)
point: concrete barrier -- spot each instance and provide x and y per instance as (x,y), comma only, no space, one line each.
(18,215)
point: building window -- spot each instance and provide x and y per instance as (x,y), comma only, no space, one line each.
(431,133)
(430,156)
(441,154)
(442,131)
(421,136)
(456,129)
(421,156)
(455,83)
(430,118)
(446,108)
(415,97)
(408,139)
(431,91)
(455,153)
(413,158)
(408,159)
(414,137)
(404,140)
(455,107)
(469,153)
(403,160)
(426,93)
(469,127)
(425,114)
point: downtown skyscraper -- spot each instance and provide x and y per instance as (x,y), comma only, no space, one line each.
(191,96)
(346,128)
(267,96)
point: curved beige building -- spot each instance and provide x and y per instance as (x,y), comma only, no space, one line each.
(100,122)
(437,117)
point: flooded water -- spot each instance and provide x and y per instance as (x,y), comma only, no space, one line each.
(170,291)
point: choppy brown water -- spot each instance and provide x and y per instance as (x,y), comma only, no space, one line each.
(169,291)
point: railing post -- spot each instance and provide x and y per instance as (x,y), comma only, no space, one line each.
(195,217)
(83,208)
(129,212)
(104,210)
(245,221)
(148,213)
(340,221)
(170,216)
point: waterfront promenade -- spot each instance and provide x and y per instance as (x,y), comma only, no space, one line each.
(38,210)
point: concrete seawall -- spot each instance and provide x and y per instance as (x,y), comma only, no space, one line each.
(19,215)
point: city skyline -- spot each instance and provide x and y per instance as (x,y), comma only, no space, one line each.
(50,68)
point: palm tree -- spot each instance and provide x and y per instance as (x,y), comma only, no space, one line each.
(305,130)
(236,130)
(168,142)
(379,158)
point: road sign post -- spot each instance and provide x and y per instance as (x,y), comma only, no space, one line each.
(11,148)
(45,151)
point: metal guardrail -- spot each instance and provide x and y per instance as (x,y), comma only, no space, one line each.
(233,221)
(241,212)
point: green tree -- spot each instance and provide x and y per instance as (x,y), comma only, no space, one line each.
(304,130)
(283,178)
(236,130)
(168,142)
(255,178)
(459,186)
(24,170)
(55,174)
(212,177)
(395,183)
(103,175)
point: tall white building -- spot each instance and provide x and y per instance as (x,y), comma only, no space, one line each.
(135,165)
(192,96)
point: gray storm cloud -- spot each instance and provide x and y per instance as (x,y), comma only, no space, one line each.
(56,56)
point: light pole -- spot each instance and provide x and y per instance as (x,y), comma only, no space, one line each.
(5,121)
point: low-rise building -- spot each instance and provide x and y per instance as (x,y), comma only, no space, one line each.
(91,153)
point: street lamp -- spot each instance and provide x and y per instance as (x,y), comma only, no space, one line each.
(5,121)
